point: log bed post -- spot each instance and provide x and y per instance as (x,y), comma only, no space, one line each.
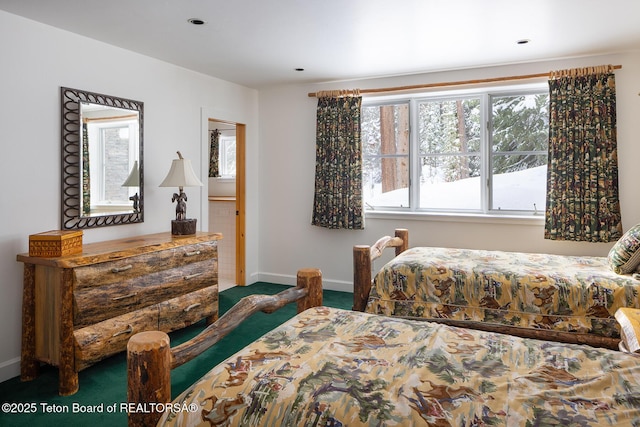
(402,234)
(150,357)
(148,376)
(363,257)
(361,276)
(311,280)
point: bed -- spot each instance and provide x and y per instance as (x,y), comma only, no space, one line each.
(553,297)
(332,367)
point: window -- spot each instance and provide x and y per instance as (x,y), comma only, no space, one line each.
(433,154)
(227,156)
(113,152)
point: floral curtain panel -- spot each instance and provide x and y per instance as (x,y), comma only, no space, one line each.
(338,185)
(214,154)
(582,176)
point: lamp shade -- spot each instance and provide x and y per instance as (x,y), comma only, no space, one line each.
(181,174)
(133,180)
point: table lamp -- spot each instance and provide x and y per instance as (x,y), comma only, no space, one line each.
(181,175)
(133,180)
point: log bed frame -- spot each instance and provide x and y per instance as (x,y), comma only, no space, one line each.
(363,257)
(150,358)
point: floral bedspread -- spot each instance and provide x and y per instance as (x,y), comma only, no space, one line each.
(331,367)
(565,293)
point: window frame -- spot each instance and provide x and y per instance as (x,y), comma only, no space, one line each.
(96,132)
(486,95)
(224,142)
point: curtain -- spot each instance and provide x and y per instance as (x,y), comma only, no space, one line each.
(582,175)
(338,200)
(86,181)
(214,154)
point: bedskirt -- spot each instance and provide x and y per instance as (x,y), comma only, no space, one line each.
(563,293)
(330,367)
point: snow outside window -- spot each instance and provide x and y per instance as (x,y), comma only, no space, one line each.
(477,152)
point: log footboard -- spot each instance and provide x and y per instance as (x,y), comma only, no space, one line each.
(150,358)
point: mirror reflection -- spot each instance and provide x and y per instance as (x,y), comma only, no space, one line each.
(110,150)
(102,167)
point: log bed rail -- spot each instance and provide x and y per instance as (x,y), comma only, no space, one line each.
(150,358)
(364,255)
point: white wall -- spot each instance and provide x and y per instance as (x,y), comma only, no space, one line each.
(287,129)
(36,61)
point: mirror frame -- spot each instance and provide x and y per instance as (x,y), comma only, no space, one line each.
(71,181)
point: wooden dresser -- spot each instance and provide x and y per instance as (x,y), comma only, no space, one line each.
(79,309)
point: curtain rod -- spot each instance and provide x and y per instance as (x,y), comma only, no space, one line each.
(455,83)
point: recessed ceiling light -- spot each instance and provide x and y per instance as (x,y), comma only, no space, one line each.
(196,21)
(523,41)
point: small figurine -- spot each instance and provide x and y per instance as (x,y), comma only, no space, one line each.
(181,207)
(136,202)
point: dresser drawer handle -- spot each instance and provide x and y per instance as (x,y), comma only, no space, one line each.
(194,253)
(124,297)
(191,307)
(121,269)
(126,331)
(191,276)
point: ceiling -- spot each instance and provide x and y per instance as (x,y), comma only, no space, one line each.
(257,43)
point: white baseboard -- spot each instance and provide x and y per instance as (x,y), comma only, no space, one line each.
(9,369)
(290,279)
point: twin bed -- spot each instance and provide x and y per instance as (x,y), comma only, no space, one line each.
(331,367)
(553,297)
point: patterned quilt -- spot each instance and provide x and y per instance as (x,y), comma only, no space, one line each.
(565,293)
(330,367)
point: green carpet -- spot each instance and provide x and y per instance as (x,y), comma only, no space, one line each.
(104,385)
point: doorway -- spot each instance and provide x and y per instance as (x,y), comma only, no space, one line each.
(227,201)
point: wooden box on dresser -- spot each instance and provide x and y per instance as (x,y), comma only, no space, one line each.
(79,309)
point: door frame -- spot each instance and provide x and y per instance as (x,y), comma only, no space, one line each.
(241,158)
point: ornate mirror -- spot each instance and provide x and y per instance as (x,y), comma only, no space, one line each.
(102,168)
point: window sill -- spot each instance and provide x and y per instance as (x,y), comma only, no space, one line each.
(457,217)
(222,198)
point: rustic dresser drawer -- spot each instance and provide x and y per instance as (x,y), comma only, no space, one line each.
(183,311)
(122,269)
(168,284)
(109,337)
(95,304)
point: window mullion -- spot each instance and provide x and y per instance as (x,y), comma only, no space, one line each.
(414,157)
(485,146)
